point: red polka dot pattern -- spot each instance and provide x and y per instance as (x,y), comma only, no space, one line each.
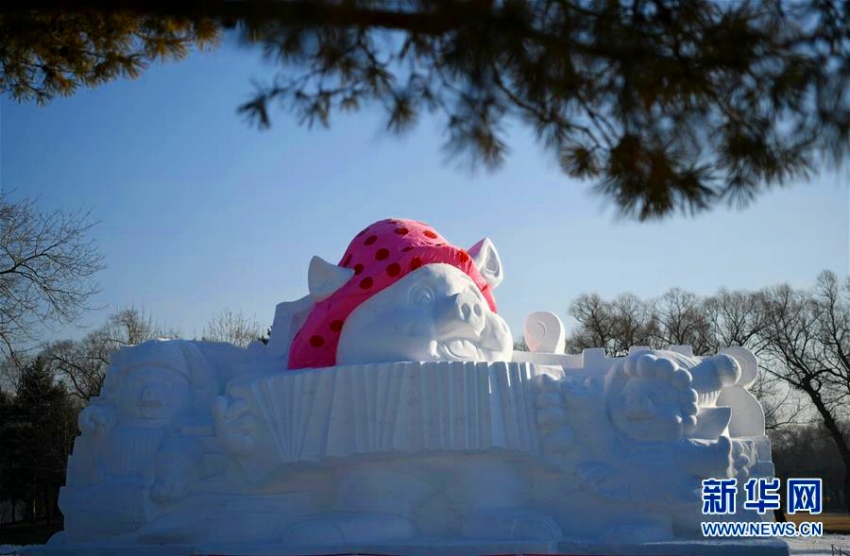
(390,251)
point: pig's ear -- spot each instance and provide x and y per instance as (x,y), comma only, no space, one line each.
(324,278)
(486,259)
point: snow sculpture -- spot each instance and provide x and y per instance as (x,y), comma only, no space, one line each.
(132,448)
(388,413)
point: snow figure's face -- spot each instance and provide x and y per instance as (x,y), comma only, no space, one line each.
(152,394)
(648,409)
(650,399)
(434,313)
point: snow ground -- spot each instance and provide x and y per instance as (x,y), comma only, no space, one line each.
(819,546)
(815,546)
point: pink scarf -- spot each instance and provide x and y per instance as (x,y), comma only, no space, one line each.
(380,255)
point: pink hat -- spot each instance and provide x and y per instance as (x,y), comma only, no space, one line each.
(380,255)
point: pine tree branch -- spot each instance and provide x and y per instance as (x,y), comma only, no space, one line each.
(307,13)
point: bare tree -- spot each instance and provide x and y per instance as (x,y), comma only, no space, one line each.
(736,318)
(82,364)
(678,317)
(783,406)
(233,327)
(807,342)
(739,318)
(615,325)
(46,267)
(637,324)
(833,329)
(596,327)
(682,321)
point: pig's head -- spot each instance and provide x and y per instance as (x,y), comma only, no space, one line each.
(402,293)
(434,313)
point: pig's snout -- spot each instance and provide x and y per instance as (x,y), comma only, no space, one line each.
(462,310)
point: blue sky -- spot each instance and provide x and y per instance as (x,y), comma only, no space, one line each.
(199,211)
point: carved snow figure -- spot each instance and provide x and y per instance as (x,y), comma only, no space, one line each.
(652,417)
(131,454)
(653,398)
(650,399)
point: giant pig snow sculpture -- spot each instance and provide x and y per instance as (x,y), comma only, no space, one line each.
(388,413)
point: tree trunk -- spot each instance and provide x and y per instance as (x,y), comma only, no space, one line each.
(847,488)
(837,437)
(48,507)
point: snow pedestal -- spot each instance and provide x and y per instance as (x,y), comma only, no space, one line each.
(406,458)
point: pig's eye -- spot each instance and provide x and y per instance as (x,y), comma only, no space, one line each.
(422,295)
